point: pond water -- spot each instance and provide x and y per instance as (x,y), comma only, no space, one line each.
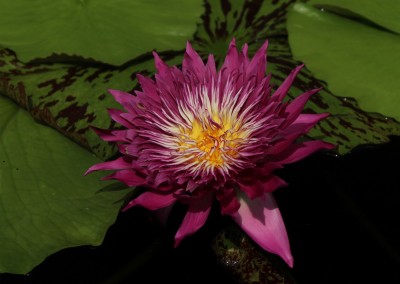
(341,215)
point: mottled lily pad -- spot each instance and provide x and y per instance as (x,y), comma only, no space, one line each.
(71,97)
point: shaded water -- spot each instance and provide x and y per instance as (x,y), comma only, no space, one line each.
(341,215)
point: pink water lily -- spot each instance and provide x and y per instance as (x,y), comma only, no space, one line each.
(195,134)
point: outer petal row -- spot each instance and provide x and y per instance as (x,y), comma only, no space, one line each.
(261,219)
(195,217)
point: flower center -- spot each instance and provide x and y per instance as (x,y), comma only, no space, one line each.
(210,143)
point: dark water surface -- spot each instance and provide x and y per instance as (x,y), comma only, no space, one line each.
(342,216)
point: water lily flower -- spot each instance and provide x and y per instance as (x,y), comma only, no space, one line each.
(195,134)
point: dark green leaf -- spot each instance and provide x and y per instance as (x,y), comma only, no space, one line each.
(46,203)
(356,60)
(108,31)
(384,13)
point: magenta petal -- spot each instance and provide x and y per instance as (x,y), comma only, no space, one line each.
(117,164)
(307,118)
(162,68)
(261,219)
(115,114)
(272,183)
(269,167)
(258,63)
(120,96)
(195,132)
(192,61)
(297,105)
(108,135)
(281,92)
(210,67)
(152,200)
(228,201)
(303,123)
(128,177)
(253,187)
(195,217)
(149,87)
(282,144)
(299,151)
(231,62)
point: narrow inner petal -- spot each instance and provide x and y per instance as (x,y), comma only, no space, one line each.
(212,134)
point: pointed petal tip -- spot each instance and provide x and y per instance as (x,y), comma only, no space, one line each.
(289,261)
(128,206)
(300,66)
(232,44)
(120,96)
(265,45)
(110,165)
(188,45)
(195,218)
(177,242)
(330,146)
(88,171)
(139,77)
(261,220)
(323,115)
(157,59)
(296,70)
(315,90)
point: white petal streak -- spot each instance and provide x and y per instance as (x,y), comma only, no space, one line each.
(209,133)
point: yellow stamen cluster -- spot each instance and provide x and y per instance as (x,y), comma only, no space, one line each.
(211,142)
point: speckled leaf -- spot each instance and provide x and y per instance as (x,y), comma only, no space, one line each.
(248,21)
(71,97)
(357,60)
(46,203)
(254,22)
(238,254)
(113,32)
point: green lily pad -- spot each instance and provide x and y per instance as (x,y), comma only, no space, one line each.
(356,60)
(108,31)
(46,203)
(384,13)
